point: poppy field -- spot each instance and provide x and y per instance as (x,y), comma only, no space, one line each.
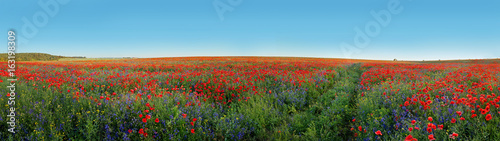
(252,98)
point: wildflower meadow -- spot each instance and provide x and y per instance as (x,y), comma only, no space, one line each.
(252,98)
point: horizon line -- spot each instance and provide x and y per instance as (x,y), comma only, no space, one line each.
(278,56)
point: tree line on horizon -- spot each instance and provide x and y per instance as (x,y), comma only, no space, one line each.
(33,57)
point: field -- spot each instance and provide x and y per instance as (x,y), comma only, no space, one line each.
(252,98)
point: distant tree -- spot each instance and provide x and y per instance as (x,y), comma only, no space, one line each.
(395,59)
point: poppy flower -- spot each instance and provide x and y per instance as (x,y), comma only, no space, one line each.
(378,133)
(410,129)
(484,111)
(192,131)
(413,122)
(459,113)
(129,130)
(488,117)
(453,136)
(410,138)
(144,120)
(194,119)
(360,128)
(430,119)
(453,120)
(184,115)
(431,137)
(157,120)
(141,131)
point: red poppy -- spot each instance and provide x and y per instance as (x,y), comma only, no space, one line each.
(157,120)
(184,115)
(129,130)
(488,117)
(459,113)
(192,131)
(484,111)
(359,127)
(410,129)
(453,120)
(413,122)
(144,120)
(194,119)
(431,137)
(410,138)
(378,133)
(430,119)
(141,131)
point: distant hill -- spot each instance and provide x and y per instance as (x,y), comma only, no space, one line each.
(34,57)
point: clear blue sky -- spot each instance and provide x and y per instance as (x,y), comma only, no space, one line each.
(423,29)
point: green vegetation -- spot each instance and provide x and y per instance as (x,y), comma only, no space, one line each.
(34,57)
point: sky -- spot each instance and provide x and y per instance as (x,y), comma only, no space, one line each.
(361,29)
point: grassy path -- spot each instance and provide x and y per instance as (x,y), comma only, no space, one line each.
(329,117)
